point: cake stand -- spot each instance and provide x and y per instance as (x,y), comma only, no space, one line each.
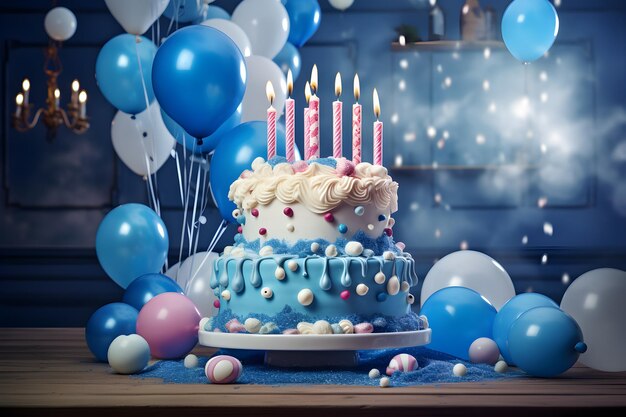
(313,350)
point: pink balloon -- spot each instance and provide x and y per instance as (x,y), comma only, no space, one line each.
(169,322)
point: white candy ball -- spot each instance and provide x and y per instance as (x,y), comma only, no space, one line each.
(459,370)
(279,273)
(305,297)
(203,323)
(266,251)
(374,373)
(362,289)
(128,354)
(191,361)
(292,265)
(379,278)
(331,251)
(501,367)
(315,247)
(354,248)
(385,382)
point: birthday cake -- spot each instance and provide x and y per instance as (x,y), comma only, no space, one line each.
(314,252)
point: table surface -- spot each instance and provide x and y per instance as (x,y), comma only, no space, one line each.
(51,372)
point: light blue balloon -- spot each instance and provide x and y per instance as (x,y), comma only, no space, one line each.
(304,19)
(184,10)
(234,154)
(457,317)
(216,12)
(118,75)
(509,312)
(199,77)
(529,28)
(131,241)
(289,59)
(545,341)
(208,143)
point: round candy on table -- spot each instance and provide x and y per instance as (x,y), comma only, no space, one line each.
(107,323)
(128,354)
(223,369)
(146,287)
(484,350)
(501,367)
(385,382)
(403,363)
(459,370)
(191,361)
(374,373)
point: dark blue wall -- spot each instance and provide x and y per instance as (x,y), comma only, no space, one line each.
(54,194)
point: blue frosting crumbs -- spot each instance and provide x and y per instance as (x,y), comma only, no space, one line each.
(331,162)
(289,319)
(278,160)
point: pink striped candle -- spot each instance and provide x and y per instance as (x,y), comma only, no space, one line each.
(378,132)
(314,127)
(307,133)
(337,120)
(356,123)
(271,122)
(290,116)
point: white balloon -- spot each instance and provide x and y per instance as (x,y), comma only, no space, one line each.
(136,16)
(133,139)
(341,4)
(470,269)
(596,301)
(60,23)
(194,276)
(254,103)
(266,23)
(232,31)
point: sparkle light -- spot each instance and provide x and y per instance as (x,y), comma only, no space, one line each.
(441,143)
(542,202)
(544,259)
(437,233)
(464,245)
(446,134)
(565,278)
(447,82)
(543,97)
(404,64)
(414,206)
(525,240)
(548,229)
(402,85)
(398,161)
(480,139)
(410,137)
(521,108)
(487,53)
(543,76)
(492,107)
(486,85)
(395,118)
(431,132)
(544,148)
(438,198)
(439,68)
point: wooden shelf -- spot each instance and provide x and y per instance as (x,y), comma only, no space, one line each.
(492,167)
(457,45)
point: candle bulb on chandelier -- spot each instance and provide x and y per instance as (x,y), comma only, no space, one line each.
(75,88)
(356,122)
(314,117)
(19,101)
(57,97)
(26,90)
(378,132)
(271,121)
(337,119)
(82,98)
(307,133)
(290,122)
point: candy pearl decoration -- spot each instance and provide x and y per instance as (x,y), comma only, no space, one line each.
(239,229)
(305,297)
(405,287)
(359,210)
(269,328)
(370,227)
(381,296)
(322,327)
(263,231)
(410,298)
(388,231)
(236,213)
(362,289)
(290,227)
(315,247)
(329,217)
(223,369)
(459,370)
(346,326)
(305,328)
(191,361)
(345,294)
(391,222)
(403,363)
(266,251)
(393,285)
(484,350)
(267,292)
(234,326)
(292,265)
(128,354)
(354,248)
(364,328)
(205,324)
(252,325)
(226,295)
(381,217)
(254,212)
(380,278)
(389,256)
(342,228)
(374,373)
(385,382)
(291,331)
(501,367)
(336,328)
(279,273)
(331,251)
(288,211)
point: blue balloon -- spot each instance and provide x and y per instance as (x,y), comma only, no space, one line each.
(509,312)
(199,78)
(184,10)
(304,19)
(289,59)
(131,241)
(107,323)
(545,341)
(146,287)
(529,28)
(457,317)
(210,142)
(234,154)
(216,12)
(119,76)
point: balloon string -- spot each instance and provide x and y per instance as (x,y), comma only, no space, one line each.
(180,179)
(193,215)
(184,225)
(203,205)
(216,237)
(175,7)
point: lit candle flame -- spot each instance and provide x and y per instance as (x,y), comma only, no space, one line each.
(75,86)
(57,93)
(289,82)
(19,99)
(376,104)
(314,79)
(307,92)
(357,87)
(82,97)
(338,85)
(25,84)
(269,91)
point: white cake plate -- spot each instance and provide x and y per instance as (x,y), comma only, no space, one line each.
(314,349)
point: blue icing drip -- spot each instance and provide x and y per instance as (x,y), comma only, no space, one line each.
(241,219)
(238,284)
(325,283)
(255,276)
(346,281)
(213,281)
(224,274)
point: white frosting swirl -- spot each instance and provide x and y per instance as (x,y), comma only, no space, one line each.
(318,187)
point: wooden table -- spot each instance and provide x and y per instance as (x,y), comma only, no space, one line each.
(51,372)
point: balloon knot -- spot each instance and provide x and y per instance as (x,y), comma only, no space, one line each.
(137,39)
(200,141)
(581,347)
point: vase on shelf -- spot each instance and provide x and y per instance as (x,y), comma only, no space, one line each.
(472,21)
(436,22)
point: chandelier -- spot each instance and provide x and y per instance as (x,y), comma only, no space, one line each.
(53,115)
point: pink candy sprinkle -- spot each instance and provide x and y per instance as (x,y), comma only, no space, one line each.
(329,217)
(345,295)
(344,167)
(254,212)
(388,231)
(364,328)
(288,211)
(291,331)
(262,231)
(300,166)
(234,326)
(239,229)
(216,303)
(400,245)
